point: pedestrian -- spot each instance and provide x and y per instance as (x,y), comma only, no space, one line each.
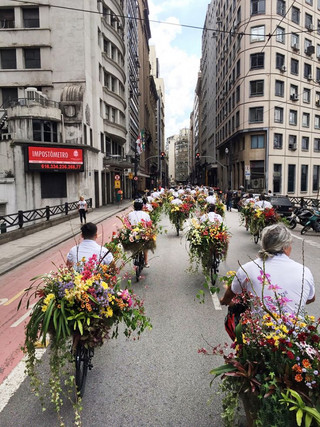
(229,196)
(82,208)
(211,215)
(87,248)
(137,216)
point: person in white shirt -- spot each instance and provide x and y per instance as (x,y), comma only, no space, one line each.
(211,199)
(176,201)
(147,205)
(262,203)
(293,278)
(82,208)
(137,216)
(88,247)
(211,216)
(180,191)
(250,199)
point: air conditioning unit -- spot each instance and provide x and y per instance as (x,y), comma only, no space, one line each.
(283,68)
(309,50)
(295,47)
(257,183)
(310,27)
(309,76)
(292,146)
(318,102)
(294,97)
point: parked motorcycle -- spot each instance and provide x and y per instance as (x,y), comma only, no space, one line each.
(300,215)
(313,223)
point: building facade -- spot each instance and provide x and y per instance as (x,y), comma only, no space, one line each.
(70,101)
(268,95)
(182,157)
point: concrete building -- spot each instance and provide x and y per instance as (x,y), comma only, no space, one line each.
(268,95)
(70,100)
(182,157)
(171,152)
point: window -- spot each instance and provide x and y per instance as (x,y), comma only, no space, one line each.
(305,120)
(257,6)
(306,95)
(257,60)
(32,58)
(316,145)
(281,7)
(318,51)
(278,141)
(279,60)
(43,130)
(256,115)
(305,143)
(238,93)
(277,177)
(256,87)
(280,35)
(257,34)
(307,71)
(318,75)
(309,2)
(31,17)
(7,18)
(317,122)
(257,141)
(292,117)
(53,186)
(294,69)
(295,41)
(279,90)
(291,178)
(8,59)
(238,70)
(293,90)
(315,178)
(295,16)
(292,142)
(308,21)
(278,114)
(304,178)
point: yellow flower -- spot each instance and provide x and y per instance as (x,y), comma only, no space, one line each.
(44,308)
(109,312)
(48,298)
(104,285)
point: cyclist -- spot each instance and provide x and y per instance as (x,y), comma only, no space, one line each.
(211,198)
(136,216)
(88,247)
(262,203)
(294,279)
(211,216)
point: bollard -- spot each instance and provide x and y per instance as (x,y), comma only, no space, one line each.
(66,208)
(20,219)
(3,227)
(48,212)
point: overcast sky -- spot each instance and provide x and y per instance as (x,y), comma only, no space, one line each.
(179,52)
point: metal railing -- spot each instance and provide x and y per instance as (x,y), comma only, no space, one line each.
(20,218)
(305,201)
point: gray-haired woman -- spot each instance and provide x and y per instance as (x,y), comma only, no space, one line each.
(293,280)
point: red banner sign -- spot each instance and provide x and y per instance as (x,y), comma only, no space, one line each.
(55,159)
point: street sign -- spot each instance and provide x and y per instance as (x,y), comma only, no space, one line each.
(130,175)
(117,184)
(135,178)
(116,177)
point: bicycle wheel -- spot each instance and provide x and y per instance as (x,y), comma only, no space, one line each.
(139,264)
(82,361)
(214,269)
(305,229)
(178,228)
(256,237)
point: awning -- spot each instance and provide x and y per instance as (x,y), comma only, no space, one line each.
(143,175)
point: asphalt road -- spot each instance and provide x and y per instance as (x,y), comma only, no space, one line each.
(161,380)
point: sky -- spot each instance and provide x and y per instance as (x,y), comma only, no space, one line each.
(179,51)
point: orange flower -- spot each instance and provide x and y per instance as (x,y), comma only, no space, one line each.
(298,378)
(88,307)
(297,368)
(306,364)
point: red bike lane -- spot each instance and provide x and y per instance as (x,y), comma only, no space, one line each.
(13,284)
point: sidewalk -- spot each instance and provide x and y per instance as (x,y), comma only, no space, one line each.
(21,250)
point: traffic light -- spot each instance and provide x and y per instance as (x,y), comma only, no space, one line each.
(163,154)
(197,156)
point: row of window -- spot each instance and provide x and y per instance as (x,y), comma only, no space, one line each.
(31,58)
(292,178)
(30,18)
(259,7)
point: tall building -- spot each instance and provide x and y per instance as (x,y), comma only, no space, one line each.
(268,95)
(182,157)
(71,96)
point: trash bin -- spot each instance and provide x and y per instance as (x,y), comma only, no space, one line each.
(119,196)
(3,227)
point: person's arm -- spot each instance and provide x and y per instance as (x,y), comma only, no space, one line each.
(227,297)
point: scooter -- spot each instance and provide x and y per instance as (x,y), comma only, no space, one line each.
(300,215)
(313,223)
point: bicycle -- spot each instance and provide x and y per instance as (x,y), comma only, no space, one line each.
(138,262)
(82,357)
(214,267)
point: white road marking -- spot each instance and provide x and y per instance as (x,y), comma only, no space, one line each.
(216,301)
(3,300)
(22,318)
(308,242)
(11,384)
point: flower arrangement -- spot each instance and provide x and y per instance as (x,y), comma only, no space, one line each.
(201,200)
(220,208)
(246,213)
(179,213)
(137,237)
(273,365)
(263,218)
(156,212)
(85,304)
(204,239)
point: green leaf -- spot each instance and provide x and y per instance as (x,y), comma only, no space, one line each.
(80,327)
(47,318)
(307,420)
(299,416)
(55,316)
(223,369)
